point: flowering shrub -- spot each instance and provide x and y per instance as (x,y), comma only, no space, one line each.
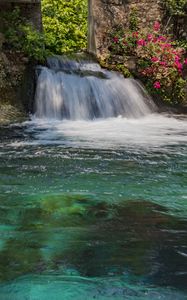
(160,62)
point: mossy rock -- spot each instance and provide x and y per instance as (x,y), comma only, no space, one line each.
(10,114)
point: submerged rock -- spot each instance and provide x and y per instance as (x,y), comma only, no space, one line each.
(95,239)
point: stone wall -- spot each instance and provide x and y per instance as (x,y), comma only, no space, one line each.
(107,14)
(30,9)
(180,26)
(16,74)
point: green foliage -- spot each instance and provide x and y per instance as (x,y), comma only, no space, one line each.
(34,43)
(21,36)
(124,70)
(176,7)
(65,29)
(65,25)
(179,89)
(133,19)
(11,27)
(182,44)
(120,67)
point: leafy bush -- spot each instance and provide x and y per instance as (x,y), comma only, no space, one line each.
(133,19)
(22,36)
(34,43)
(65,25)
(176,7)
(160,61)
(65,29)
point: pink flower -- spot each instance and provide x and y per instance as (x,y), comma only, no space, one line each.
(154,59)
(141,42)
(167,45)
(162,38)
(185,61)
(115,39)
(148,71)
(155,40)
(156,26)
(179,66)
(149,37)
(157,85)
(163,63)
(177,58)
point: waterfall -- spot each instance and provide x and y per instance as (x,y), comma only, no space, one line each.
(84,91)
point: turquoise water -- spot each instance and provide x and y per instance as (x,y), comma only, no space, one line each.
(94,210)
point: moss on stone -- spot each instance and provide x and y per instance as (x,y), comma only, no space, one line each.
(12,68)
(10,114)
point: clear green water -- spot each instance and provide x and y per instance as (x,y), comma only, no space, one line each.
(88,216)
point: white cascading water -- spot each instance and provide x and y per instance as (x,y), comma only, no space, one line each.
(79,104)
(83,91)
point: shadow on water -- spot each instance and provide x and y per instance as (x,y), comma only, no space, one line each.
(82,237)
